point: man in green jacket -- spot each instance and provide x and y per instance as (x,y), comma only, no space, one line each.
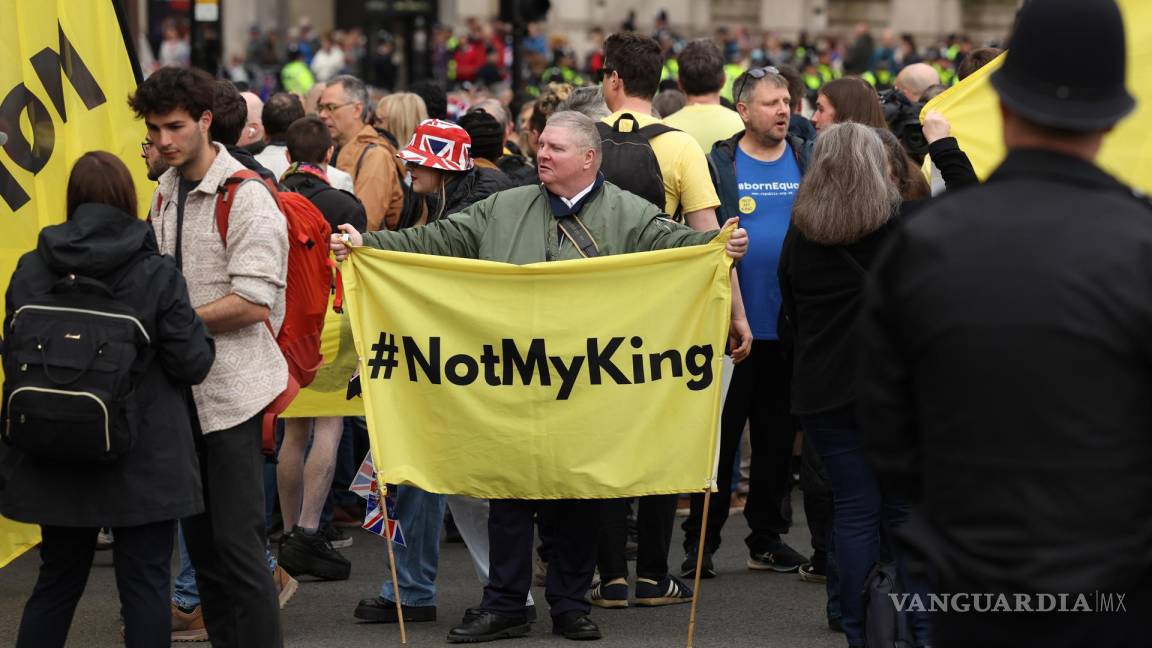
(574,214)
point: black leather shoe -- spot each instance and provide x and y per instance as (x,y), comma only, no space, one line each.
(473,612)
(487,626)
(575,626)
(381,610)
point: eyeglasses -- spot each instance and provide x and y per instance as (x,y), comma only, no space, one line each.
(144,146)
(331,108)
(754,73)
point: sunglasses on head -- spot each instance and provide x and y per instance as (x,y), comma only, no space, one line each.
(754,73)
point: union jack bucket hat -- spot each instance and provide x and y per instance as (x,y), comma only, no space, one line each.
(439,145)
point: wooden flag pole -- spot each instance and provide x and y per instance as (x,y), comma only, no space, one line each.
(395,581)
(699,565)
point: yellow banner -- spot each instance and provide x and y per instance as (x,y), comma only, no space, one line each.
(974,110)
(64,86)
(326,396)
(576,379)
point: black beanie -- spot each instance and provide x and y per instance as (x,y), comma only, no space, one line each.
(487,136)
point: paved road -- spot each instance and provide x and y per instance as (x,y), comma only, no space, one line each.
(740,608)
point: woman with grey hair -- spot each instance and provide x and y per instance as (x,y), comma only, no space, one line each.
(843,213)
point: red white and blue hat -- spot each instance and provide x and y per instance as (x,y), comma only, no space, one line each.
(439,145)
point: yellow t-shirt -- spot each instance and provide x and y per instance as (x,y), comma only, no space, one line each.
(708,123)
(687,183)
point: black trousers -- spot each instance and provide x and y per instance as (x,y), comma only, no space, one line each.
(572,561)
(226,542)
(142,555)
(655,519)
(817,501)
(758,395)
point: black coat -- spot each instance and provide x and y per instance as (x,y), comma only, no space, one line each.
(1005,380)
(339,207)
(460,191)
(159,478)
(821,287)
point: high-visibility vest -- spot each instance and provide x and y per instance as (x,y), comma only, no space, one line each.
(732,71)
(869,77)
(671,70)
(813,81)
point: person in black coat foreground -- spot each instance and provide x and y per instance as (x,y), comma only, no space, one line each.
(1006,364)
(141,494)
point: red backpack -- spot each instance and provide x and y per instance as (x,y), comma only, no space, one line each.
(309,284)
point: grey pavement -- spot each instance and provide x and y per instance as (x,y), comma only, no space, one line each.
(740,608)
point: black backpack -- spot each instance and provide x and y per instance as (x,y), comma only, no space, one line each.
(629,162)
(72,361)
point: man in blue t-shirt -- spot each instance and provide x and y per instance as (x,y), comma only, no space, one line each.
(757,173)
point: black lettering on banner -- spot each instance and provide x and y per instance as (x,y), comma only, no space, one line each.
(430,365)
(30,156)
(535,362)
(48,65)
(513,367)
(490,361)
(471,370)
(568,374)
(674,363)
(34,156)
(699,361)
(598,361)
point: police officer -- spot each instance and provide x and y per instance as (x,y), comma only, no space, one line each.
(1006,373)
(1007,363)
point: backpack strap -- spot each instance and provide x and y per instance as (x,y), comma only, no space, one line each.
(226,194)
(360,160)
(622,118)
(653,130)
(574,229)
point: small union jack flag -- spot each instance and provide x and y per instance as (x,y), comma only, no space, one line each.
(381,517)
(365,481)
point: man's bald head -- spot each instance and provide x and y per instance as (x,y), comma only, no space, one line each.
(254,125)
(914,79)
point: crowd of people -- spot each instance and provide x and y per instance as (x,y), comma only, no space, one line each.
(879,318)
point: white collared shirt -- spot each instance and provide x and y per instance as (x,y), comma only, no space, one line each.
(580,194)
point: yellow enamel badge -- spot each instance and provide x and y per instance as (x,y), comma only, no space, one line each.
(747,205)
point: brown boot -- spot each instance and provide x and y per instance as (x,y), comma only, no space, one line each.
(188,626)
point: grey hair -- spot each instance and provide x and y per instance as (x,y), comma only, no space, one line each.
(495,108)
(582,127)
(746,84)
(354,90)
(586,100)
(847,193)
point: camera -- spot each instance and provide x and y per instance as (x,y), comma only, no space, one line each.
(903,119)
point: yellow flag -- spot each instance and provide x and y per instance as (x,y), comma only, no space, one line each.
(64,84)
(973,110)
(593,378)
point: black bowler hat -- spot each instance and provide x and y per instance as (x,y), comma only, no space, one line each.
(1065,65)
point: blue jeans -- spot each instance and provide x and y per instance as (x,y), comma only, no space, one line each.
(859,511)
(185,592)
(421,516)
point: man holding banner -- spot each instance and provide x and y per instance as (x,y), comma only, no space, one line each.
(1005,367)
(575,215)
